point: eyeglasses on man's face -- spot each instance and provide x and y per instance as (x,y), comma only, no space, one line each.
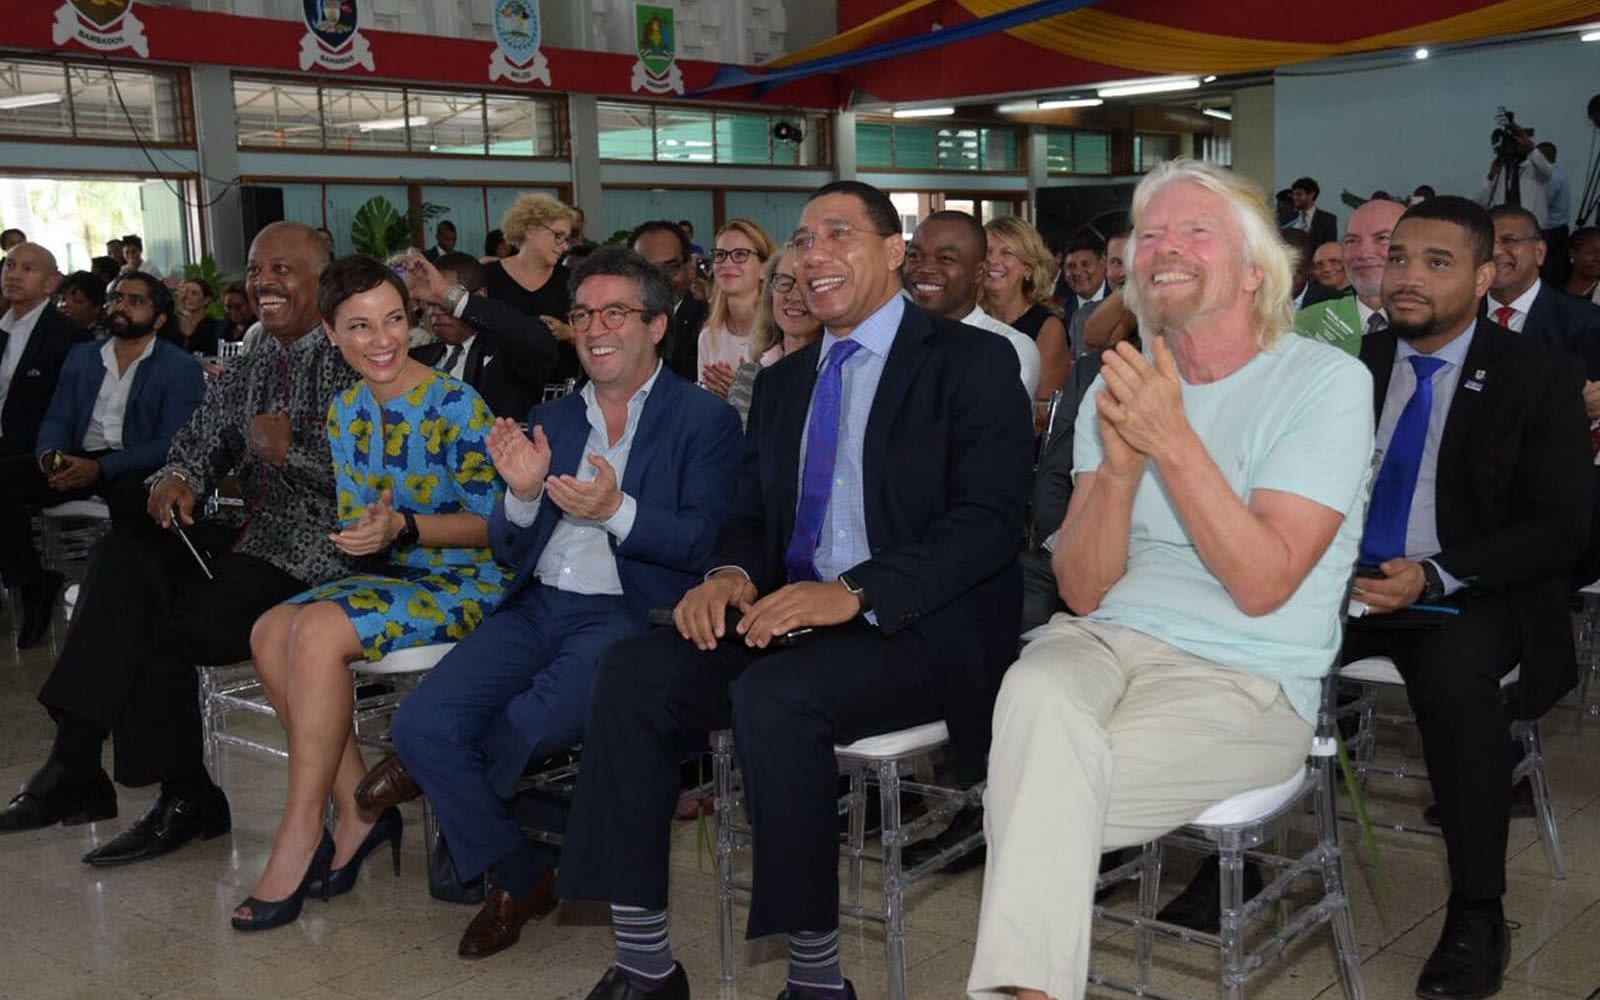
(611,317)
(834,232)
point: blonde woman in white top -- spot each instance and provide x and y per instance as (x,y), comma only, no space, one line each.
(742,248)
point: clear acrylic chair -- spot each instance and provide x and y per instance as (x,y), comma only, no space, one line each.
(1237,830)
(885,761)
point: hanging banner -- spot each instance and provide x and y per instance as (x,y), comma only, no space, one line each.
(334,41)
(516,53)
(103,25)
(657,69)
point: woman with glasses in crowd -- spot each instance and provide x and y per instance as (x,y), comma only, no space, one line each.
(783,325)
(532,279)
(741,250)
(415,488)
(1016,291)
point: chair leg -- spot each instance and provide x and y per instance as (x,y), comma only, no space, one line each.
(1543,804)
(1230,859)
(722,785)
(856,837)
(1345,949)
(894,922)
(1149,898)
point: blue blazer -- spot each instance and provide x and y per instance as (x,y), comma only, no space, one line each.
(167,387)
(680,474)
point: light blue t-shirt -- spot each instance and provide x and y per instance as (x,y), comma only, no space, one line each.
(1296,418)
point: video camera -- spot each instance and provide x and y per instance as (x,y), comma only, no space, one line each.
(1506,139)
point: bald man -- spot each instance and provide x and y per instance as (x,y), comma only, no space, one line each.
(35,338)
(150,613)
(1345,320)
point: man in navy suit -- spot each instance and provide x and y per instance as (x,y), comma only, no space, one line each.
(879,511)
(34,340)
(611,509)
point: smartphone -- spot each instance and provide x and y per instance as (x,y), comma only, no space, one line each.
(177,526)
(1370,571)
(783,640)
(702,267)
(661,616)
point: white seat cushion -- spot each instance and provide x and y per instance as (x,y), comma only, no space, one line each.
(93,507)
(406,661)
(1255,804)
(917,739)
(1381,670)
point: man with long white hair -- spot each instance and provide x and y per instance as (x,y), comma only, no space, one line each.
(1206,549)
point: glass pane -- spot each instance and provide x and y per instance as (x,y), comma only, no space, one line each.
(916,146)
(362,120)
(683,135)
(447,123)
(625,131)
(1091,153)
(548,139)
(114,103)
(1058,151)
(747,138)
(874,146)
(511,126)
(958,149)
(33,99)
(999,148)
(1152,149)
(277,115)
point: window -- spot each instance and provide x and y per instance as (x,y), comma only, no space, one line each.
(91,101)
(1150,150)
(934,147)
(278,114)
(679,134)
(1068,151)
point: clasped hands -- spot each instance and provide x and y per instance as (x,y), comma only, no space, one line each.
(76,473)
(1140,411)
(702,615)
(524,463)
(1402,584)
(374,531)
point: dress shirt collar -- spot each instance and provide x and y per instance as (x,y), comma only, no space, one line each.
(108,354)
(875,333)
(1099,293)
(1453,353)
(1364,312)
(1522,304)
(592,403)
(11,322)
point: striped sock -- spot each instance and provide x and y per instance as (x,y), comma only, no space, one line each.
(643,952)
(814,965)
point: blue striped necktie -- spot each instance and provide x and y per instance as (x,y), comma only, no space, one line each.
(1390,509)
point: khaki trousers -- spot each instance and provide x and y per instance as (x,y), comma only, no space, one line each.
(1104,738)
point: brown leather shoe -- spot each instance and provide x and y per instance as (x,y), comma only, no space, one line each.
(499,921)
(387,784)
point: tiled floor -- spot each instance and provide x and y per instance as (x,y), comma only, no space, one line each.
(161,928)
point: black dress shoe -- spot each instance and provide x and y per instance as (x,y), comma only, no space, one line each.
(966,823)
(51,797)
(1199,906)
(170,822)
(615,985)
(38,604)
(790,993)
(1469,960)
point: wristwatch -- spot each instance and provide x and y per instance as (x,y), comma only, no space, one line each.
(452,299)
(857,591)
(1432,586)
(409,534)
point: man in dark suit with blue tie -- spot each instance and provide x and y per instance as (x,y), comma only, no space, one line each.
(879,513)
(611,509)
(1481,505)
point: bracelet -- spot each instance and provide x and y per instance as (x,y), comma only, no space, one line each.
(453,299)
(177,474)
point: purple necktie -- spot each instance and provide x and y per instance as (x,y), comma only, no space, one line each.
(822,450)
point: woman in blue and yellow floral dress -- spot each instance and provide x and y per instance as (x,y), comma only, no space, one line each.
(416,487)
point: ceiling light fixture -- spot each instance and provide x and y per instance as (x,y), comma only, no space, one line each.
(385,124)
(1209,79)
(1017,107)
(29,100)
(1589,36)
(923,112)
(1226,116)
(1420,54)
(1071,102)
(1166,86)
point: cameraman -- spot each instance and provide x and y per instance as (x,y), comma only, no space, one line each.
(1523,180)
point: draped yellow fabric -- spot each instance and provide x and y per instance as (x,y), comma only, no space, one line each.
(1115,40)
(855,37)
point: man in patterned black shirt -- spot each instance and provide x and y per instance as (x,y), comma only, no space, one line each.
(150,613)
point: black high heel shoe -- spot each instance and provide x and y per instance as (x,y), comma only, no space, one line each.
(266,914)
(341,880)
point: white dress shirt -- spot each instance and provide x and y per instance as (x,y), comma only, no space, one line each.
(104,432)
(1027,350)
(457,370)
(18,330)
(578,556)
(1521,304)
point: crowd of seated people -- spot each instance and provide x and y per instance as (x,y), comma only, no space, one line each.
(863,557)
